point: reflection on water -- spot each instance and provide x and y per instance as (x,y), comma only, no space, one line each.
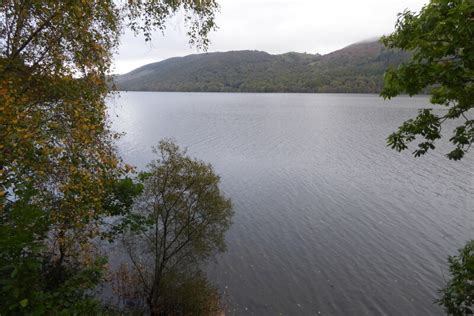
(327,219)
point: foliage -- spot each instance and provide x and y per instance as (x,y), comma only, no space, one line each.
(357,68)
(182,293)
(33,284)
(440,37)
(178,221)
(188,293)
(144,16)
(59,171)
(458,295)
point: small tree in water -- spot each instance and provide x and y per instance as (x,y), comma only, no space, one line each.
(179,221)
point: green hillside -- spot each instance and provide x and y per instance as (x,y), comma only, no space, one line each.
(357,68)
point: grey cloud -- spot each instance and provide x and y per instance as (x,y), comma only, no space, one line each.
(275,26)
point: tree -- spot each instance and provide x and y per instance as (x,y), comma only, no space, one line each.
(458,295)
(59,169)
(440,38)
(179,220)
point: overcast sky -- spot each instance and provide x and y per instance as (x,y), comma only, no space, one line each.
(274,26)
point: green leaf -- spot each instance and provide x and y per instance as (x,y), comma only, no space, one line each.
(24,302)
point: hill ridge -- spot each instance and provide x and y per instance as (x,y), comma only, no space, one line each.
(356,68)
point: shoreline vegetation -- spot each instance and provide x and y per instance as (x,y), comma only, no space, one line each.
(242,92)
(61,177)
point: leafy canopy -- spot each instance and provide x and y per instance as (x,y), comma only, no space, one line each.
(441,40)
(458,295)
(440,37)
(60,174)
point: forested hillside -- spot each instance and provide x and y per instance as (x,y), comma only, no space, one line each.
(357,68)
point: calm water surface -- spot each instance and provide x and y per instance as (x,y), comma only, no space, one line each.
(327,219)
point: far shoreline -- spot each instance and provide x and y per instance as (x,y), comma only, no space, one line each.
(273,92)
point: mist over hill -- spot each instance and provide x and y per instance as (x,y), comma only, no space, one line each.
(357,68)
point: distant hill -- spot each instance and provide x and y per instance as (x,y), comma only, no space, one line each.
(357,68)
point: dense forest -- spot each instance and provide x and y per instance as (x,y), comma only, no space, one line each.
(357,68)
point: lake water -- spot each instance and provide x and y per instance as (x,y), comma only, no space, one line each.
(328,220)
